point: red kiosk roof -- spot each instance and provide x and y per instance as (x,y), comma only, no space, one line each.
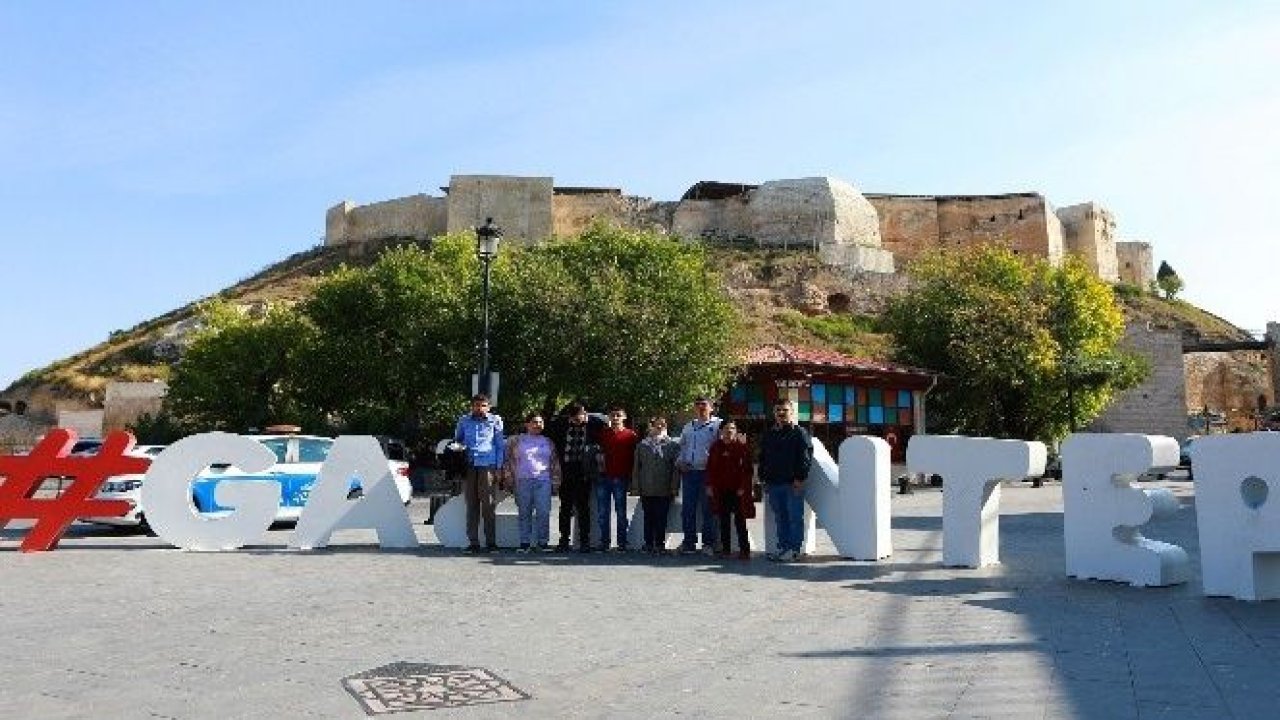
(779,354)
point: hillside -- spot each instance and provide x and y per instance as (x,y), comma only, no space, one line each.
(785,296)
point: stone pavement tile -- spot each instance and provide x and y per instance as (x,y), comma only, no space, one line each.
(1154,710)
(1089,699)
(1109,665)
(994,697)
(1175,690)
(1147,662)
(39,705)
(1248,690)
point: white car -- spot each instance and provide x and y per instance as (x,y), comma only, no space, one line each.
(126,487)
(298,461)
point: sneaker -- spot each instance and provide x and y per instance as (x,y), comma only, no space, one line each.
(709,550)
(472,549)
(491,548)
(622,549)
(722,553)
(524,549)
(647,549)
(602,547)
(788,556)
(744,554)
(562,547)
(772,556)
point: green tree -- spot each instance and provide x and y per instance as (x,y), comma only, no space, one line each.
(393,343)
(614,315)
(1168,281)
(159,429)
(236,373)
(1027,350)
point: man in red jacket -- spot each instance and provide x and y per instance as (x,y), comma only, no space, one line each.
(618,443)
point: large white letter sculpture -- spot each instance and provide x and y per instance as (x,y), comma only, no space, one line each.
(328,508)
(972,469)
(451,521)
(1239,521)
(166,493)
(1103,509)
(852,501)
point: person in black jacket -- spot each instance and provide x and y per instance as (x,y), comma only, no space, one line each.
(575,435)
(785,456)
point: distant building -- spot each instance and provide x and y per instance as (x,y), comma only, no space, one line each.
(835,395)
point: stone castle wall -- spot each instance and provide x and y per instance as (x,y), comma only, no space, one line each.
(1227,381)
(416,216)
(912,226)
(1135,263)
(127,401)
(1159,405)
(721,219)
(573,213)
(521,206)
(1090,231)
(873,232)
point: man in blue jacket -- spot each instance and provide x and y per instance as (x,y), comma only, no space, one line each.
(480,434)
(785,456)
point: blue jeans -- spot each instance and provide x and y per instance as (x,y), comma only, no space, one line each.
(788,515)
(693,495)
(533,495)
(612,489)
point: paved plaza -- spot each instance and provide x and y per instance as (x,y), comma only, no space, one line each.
(113,625)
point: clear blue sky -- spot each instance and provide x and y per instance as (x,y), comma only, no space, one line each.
(152,153)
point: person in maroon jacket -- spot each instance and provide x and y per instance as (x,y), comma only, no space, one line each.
(729,486)
(618,444)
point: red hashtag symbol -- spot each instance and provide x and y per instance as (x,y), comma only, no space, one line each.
(21,476)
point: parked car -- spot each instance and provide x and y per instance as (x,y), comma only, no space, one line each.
(298,461)
(86,446)
(126,487)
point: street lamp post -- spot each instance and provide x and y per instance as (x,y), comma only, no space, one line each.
(487,238)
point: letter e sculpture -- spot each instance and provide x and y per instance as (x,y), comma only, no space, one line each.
(1103,509)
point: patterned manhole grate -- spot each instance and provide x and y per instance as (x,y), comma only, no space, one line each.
(404,687)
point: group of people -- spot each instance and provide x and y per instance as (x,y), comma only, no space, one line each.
(710,466)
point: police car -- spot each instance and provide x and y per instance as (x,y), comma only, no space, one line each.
(298,461)
(124,487)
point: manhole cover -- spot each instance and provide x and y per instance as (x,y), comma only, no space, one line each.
(404,686)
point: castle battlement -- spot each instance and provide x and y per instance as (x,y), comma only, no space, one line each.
(870,232)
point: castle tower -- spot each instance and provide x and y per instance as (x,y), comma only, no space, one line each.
(1090,234)
(1135,263)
